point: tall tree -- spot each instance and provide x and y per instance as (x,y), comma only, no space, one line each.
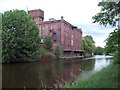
(88,45)
(20,36)
(112,42)
(98,51)
(110,14)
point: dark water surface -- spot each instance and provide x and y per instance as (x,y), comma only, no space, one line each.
(38,74)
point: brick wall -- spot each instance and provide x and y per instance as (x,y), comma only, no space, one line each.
(62,32)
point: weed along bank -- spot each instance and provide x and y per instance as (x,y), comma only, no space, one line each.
(64,34)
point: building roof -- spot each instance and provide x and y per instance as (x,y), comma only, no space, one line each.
(35,10)
(55,21)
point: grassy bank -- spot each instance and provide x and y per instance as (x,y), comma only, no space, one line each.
(106,78)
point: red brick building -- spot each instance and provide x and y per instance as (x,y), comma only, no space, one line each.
(68,36)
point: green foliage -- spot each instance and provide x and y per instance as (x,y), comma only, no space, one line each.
(57,52)
(116,57)
(112,42)
(106,78)
(20,36)
(109,13)
(88,45)
(48,42)
(98,51)
(43,51)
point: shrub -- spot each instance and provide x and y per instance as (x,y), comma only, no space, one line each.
(43,51)
(48,42)
(57,52)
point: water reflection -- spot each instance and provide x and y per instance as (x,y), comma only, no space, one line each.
(102,62)
(38,74)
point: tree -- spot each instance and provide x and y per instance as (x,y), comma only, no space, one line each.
(98,51)
(48,42)
(112,42)
(88,45)
(110,14)
(20,36)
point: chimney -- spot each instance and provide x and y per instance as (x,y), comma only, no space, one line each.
(61,17)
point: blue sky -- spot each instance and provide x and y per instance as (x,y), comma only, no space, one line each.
(77,12)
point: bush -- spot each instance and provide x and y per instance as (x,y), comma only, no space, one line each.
(57,52)
(48,42)
(43,51)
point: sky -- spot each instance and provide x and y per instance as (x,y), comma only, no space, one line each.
(76,12)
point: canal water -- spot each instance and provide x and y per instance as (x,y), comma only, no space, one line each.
(39,74)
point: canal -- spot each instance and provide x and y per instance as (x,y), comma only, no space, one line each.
(39,74)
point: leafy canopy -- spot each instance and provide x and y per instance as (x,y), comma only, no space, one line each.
(20,36)
(109,13)
(112,42)
(88,44)
(98,51)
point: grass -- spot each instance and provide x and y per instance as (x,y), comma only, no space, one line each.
(106,78)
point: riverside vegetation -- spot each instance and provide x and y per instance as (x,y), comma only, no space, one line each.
(20,37)
(110,15)
(106,78)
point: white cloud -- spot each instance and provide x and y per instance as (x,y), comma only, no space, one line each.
(99,34)
(72,10)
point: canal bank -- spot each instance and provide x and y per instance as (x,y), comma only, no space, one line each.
(105,78)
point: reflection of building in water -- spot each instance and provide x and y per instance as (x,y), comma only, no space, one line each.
(68,36)
(65,72)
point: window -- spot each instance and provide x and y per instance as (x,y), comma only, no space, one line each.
(51,27)
(72,42)
(54,40)
(43,27)
(66,33)
(50,30)
(72,36)
(54,32)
